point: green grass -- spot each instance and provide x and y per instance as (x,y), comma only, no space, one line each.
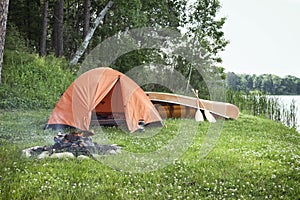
(253,158)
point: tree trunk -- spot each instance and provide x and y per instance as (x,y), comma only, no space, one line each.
(3,19)
(54,29)
(89,35)
(43,42)
(87,16)
(58,26)
(189,79)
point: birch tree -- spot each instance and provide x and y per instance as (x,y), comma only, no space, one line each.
(3,19)
(90,34)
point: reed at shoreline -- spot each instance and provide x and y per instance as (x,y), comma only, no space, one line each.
(268,106)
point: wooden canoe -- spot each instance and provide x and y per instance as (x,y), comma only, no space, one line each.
(179,106)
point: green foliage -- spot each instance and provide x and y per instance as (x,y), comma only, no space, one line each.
(206,28)
(163,13)
(266,83)
(29,81)
(201,25)
(14,40)
(26,16)
(254,159)
(32,82)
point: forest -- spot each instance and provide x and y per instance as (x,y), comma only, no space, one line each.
(266,83)
(44,43)
(47,39)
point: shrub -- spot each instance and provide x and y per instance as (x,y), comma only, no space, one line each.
(32,82)
(14,39)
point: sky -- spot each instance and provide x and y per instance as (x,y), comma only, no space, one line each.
(264,36)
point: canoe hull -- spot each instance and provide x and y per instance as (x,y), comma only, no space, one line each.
(172,110)
(179,106)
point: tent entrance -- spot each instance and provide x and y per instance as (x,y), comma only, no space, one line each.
(110,110)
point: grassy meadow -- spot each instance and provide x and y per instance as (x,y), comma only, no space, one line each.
(253,158)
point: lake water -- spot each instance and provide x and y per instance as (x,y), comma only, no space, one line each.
(287,100)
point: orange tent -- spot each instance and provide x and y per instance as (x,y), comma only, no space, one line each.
(106,96)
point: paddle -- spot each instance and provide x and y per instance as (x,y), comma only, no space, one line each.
(208,115)
(199,116)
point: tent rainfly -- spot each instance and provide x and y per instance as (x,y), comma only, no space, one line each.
(104,94)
